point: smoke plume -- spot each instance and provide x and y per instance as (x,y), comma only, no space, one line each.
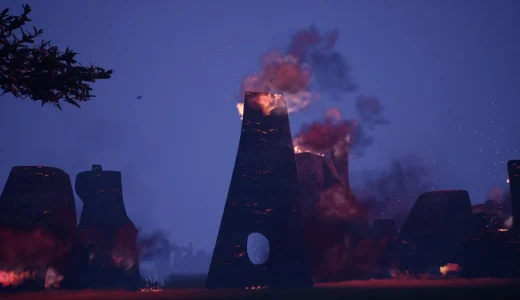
(154,245)
(331,136)
(370,111)
(392,193)
(310,61)
(330,69)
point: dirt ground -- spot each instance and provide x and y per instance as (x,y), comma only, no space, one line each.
(370,289)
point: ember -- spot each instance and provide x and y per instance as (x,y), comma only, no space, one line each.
(258,287)
(449,268)
(150,289)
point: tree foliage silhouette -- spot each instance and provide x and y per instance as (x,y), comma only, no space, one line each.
(39,71)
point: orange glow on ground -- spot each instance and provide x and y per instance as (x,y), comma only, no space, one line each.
(360,289)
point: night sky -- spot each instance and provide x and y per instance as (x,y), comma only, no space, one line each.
(447,73)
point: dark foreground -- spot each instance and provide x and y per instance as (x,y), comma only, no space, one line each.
(398,289)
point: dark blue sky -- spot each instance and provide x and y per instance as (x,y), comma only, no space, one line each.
(447,73)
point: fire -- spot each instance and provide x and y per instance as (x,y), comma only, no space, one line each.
(150,289)
(240,108)
(12,278)
(449,267)
(507,181)
(264,102)
(283,75)
(300,149)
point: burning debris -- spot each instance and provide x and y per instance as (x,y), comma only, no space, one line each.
(14,278)
(449,268)
(264,180)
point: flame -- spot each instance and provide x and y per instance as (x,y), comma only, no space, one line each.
(284,75)
(507,181)
(449,267)
(264,102)
(240,108)
(150,289)
(12,278)
(52,278)
(300,149)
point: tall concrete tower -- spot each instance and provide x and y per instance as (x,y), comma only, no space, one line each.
(263,198)
(513,169)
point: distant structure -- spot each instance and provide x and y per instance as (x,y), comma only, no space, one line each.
(37,217)
(263,198)
(513,169)
(437,223)
(105,227)
(186,261)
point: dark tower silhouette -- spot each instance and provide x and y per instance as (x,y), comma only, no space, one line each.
(37,209)
(513,169)
(263,197)
(434,229)
(439,214)
(327,223)
(106,228)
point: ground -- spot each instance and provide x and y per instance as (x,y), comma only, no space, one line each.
(398,289)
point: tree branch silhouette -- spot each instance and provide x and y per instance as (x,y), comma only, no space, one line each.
(39,71)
